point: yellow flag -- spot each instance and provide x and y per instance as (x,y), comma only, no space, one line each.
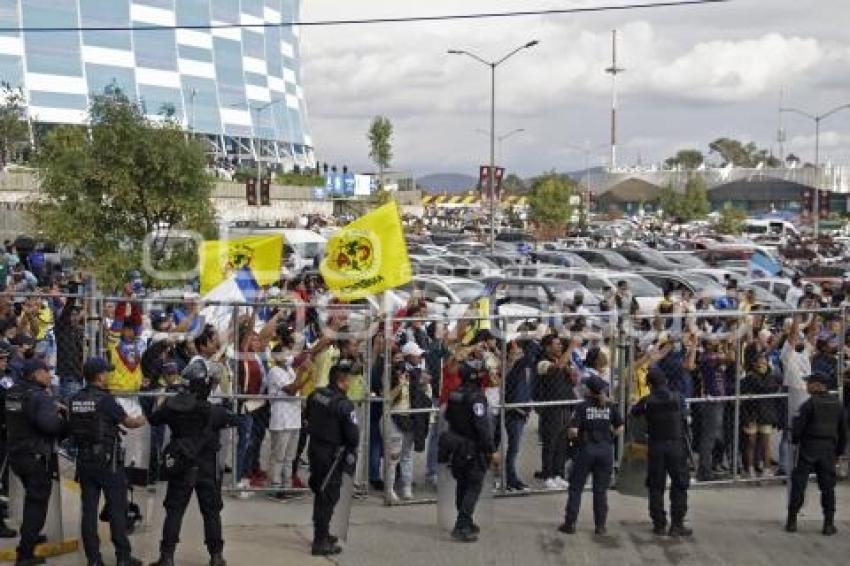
(220,259)
(367,256)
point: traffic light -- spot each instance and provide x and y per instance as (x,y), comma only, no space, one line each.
(265,191)
(251,191)
(823,204)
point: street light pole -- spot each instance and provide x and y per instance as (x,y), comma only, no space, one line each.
(491,178)
(817,118)
(501,139)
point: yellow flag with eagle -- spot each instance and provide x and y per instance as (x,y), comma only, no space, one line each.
(367,256)
(251,257)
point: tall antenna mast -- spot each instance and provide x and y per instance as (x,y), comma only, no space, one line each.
(614,70)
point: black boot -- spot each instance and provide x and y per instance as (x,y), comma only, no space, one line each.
(217,559)
(659,529)
(34,561)
(680,530)
(601,530)
(464,535)
(165,559)
(829,527)
(5,531)
(129,561)
(325,548)
(791,523)
(568,528)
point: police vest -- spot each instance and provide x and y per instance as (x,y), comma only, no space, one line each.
(90,428)
(826,415)
(596,422)
(21,434)
(664,416)
(189,420)
(324,419)
(459,413)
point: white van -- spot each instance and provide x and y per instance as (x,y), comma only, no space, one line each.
(302,249)
(774,227)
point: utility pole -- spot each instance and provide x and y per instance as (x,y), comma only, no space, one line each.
(614,70)
(781,136)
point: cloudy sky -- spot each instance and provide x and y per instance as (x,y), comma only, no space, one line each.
(693,74)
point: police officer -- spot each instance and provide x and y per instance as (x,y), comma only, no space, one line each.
(6,383)
(666,430)
(333,431)
(34,420)
(93,419)
(191,461)
(820,430)
(468,416)
(592,425)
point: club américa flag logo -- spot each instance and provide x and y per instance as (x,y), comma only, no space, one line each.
(353,255)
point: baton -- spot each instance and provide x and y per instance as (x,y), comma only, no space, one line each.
(337,459)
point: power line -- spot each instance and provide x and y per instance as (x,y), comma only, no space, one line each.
(364,21)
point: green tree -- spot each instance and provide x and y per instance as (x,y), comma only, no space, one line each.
(731,220)
(696,205)
(686,159)
(380,145)
(105,190)
(742,154)
(514,185)
(13,126)
(550,203)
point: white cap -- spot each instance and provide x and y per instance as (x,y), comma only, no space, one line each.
(411,348)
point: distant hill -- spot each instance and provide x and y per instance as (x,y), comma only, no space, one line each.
(447,182)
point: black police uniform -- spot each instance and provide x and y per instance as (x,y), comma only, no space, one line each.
(6,383)
(192,455)
(467,413)
(665,419)
(595,456)
(820,429)
(33,423)
(93,419)
(334,436)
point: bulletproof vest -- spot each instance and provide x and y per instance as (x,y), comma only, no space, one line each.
(323,423)
(189,416)
(90,427)
(664,416)
(21,434)
(459,413)
(825,418)
(596,422)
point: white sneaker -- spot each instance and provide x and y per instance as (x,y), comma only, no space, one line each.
(393,498)
(244,484)
(406,493)
(562,483)
(550,484)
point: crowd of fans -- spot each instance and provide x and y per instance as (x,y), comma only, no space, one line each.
(277,353)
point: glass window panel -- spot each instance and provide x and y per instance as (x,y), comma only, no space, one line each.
(166,4)
(195,53)
(253,44)
(12,70)
(228,66)
(52,53)
(193,12)
(155,100)
(253,7)
(202,109)
(273,54)
(256,80)
(225,10)
(156,49)
(9,16)
(58,100)
(105,13)
(102,78)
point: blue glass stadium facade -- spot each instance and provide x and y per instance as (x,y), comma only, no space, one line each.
(239,88)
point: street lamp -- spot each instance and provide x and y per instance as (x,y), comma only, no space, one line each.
(586,149)
(258,110)
(817,118)
(491,177)
(502,138)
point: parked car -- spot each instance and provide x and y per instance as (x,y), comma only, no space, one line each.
(602,259)
(647,259)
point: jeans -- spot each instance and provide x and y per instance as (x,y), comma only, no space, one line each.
(712,432)
(246,424)
(400,445)
(431,470)
(284,444)
(376,443)
(514,426)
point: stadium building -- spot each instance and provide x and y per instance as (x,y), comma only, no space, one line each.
(238,88)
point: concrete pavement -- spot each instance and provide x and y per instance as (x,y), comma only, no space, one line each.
(732,526)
